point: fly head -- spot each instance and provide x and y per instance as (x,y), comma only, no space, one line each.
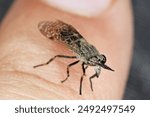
(99,60)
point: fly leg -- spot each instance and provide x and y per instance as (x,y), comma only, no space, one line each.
(57,56)
(97,73)
(68,70)
(81,80)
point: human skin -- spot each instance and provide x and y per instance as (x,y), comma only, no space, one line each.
(22,46)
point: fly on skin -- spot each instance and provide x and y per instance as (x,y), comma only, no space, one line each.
(86,53)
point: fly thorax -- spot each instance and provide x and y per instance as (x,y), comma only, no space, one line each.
(97,60)
(93,61)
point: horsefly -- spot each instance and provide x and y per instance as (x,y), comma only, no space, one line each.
(85,53)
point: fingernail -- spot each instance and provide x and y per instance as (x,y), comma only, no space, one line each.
(81,7)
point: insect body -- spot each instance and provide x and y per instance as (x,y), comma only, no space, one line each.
(85,52)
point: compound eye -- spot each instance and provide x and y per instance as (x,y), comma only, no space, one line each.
(103,61)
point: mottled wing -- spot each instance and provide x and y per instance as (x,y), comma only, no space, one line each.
(68,35)
(58,30)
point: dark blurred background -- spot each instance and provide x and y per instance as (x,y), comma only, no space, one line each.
(138,86)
